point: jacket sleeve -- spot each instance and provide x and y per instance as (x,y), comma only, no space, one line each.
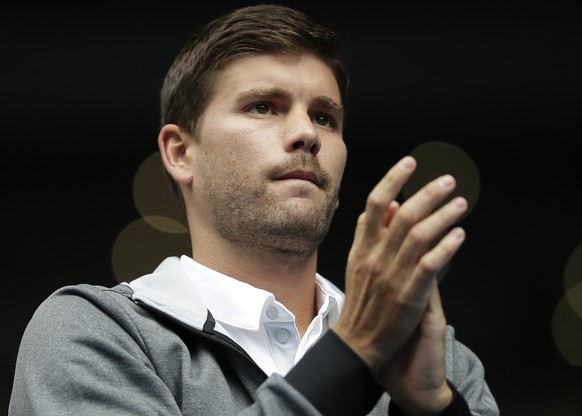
(467,374)
(337,381)
(334,379)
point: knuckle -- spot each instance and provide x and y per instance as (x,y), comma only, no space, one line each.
(361,219)
(406,218)
(427,265)
(374,202)
(417,236)
(433,189)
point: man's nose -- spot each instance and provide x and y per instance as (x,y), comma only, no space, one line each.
(302,133)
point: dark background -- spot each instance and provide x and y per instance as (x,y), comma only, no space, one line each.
(79,104)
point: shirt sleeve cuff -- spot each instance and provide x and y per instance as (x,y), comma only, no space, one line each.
(457,407)
(335,379)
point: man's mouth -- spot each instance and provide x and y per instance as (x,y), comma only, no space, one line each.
(302,175)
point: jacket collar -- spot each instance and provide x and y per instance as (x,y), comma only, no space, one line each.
(169,290)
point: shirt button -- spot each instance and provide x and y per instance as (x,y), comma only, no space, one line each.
(272,312)
(283,336)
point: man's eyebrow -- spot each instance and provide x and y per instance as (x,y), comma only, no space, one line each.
(264,94)
(321,101)
(325,102)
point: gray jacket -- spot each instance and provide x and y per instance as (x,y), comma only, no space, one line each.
(134,350)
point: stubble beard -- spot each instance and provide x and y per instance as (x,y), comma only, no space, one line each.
(245,213)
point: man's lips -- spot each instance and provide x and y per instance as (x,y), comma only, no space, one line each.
(302,175)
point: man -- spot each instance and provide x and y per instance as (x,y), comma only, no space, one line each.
(251,139)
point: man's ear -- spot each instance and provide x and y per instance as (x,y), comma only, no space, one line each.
(174,143)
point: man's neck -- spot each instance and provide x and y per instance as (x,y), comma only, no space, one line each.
(290,278)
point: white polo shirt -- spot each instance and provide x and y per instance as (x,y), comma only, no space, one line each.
(260,324)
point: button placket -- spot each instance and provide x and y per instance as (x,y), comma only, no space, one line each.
(283,337)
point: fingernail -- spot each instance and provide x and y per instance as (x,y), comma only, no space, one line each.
(460,203)
(459,233)
(446,181)
(407,163)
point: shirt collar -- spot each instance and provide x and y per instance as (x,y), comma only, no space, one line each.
(241,305)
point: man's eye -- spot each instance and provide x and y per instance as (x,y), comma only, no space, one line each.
(322,120)
(260,108)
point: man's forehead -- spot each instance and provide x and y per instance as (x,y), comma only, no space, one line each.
(279,75)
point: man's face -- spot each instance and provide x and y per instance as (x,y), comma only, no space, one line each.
(271,153)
